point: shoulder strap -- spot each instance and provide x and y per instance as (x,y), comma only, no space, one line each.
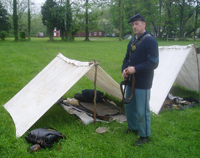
(142,39)
(139,41)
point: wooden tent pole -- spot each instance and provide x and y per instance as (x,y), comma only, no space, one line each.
(198,52)
(95,92)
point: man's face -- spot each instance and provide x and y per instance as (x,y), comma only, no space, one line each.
(138,27)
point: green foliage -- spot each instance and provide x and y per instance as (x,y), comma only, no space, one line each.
(37,25)
(151,10)
(22,34)
(185,12)
(4,20)
(127,11)
(60,13)
(163,17)
(74,31)
(3,35)
(49,16)
(114,10)
(104,21)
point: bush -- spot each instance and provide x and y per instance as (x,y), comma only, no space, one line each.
(22,34)
(3,35)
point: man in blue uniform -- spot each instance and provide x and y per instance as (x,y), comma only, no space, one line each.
(138,67)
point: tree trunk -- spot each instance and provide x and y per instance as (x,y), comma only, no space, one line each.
(196,18)
(159,29)
(50,30)
(62,31)
(69,20)
(29,20)
(86,18)
(15,19)
(181,20)
(120,21)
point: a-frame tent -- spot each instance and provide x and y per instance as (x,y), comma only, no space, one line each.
(30,103)
(179,64)
(44,90)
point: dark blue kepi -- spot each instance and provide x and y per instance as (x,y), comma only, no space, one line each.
(137,17)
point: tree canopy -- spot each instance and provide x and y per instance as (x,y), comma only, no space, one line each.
(4,20)
(49,16)
(164,18)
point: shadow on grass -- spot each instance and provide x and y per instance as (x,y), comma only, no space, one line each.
(183,92)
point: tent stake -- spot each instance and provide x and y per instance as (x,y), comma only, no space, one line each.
(198,52)
(95,92)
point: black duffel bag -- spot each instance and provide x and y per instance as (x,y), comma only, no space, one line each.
(45,137)
(88,96)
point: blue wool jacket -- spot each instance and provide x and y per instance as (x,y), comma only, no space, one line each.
(145,59)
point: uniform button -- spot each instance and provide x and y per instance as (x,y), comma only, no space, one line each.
(129,61)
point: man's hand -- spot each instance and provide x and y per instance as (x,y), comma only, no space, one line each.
(124,74)
(130,70)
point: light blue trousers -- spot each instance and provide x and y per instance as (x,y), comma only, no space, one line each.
(138,111)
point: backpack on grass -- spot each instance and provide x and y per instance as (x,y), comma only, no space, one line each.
(45,137)
(88,96)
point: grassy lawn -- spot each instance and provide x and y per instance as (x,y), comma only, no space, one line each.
(174,133)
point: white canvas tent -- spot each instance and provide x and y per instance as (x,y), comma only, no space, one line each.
(44,90)
(176,64)
(29,104)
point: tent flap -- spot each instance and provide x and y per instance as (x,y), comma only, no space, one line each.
(30,103)
(105,82)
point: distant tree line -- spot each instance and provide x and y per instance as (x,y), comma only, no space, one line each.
(71,16)
(172,18)
(164,18)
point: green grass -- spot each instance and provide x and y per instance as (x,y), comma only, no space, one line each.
(174,133)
